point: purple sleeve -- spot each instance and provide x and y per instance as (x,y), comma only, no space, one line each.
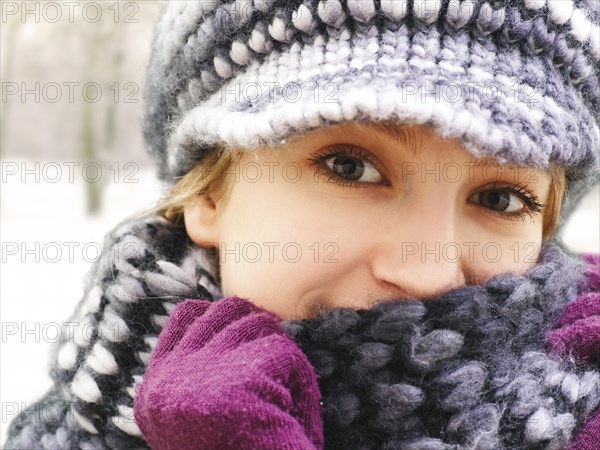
(591,279)
(578,336)
(225,375)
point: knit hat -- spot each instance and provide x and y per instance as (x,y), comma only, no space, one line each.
(516,80)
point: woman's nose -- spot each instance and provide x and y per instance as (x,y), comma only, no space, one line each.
(421,262)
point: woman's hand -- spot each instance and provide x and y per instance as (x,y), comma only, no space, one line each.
(224,375)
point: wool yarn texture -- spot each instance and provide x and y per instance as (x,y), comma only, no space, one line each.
(515,80)
(463,371)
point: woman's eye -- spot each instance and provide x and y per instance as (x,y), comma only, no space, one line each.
(353,168)
(499,200)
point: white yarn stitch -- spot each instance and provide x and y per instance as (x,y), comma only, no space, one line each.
(83,331)
(303,20)
(257,41)
(131,391)
(84,387)
(159,321)
(125,421)
(279,31)
(83,422)
(101,360)
(580,25)
(211,288)
(67,356)
(92,302)
(570,387)
(151,341)
(459,13)
(396,10)
(485,14)
(137,379)
(240,53)
(159,283)
(331,12)
(538,425)
(427,10)
(144,357)
(535,4)
(560,10)
(126,289)
(555,378)
(222,67)
(361,10)
(113,328)
(177,273)
(169,307)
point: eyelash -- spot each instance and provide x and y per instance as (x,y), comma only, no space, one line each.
(317,162)
(532,202)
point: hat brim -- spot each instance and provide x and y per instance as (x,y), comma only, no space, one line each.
(500,103)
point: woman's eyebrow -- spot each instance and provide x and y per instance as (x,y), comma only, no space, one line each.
(398,133)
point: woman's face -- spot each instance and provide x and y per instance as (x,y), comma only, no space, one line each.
(349,216)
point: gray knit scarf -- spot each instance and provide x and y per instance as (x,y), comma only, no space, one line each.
(467,370)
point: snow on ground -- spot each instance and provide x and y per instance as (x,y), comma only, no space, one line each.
(38,295)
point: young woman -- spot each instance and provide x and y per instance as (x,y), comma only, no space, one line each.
(359,248)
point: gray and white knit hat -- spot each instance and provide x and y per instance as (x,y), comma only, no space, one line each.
(517,80)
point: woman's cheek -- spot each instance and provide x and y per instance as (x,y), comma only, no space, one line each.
(275,286)
(493,258)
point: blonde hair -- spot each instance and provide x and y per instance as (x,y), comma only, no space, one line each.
(558,191)
(209,178)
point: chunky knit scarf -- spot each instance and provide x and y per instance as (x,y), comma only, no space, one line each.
(467,370)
